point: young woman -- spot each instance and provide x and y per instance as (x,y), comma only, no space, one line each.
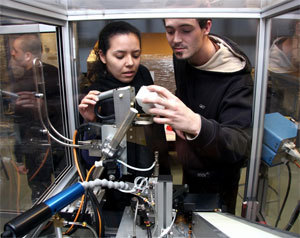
(117,65)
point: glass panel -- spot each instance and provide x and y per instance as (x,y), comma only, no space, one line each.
(266,3)
(56,4)
(30,160)
(157,57)
(156,53)
(146,4)
(281,165)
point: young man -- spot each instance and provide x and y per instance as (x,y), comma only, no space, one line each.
(211,112)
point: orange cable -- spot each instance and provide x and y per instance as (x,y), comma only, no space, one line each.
(75,157)
(99,216)
(43,161)
(81,202)
(41,165)
(298,165)
(10,184)
(89,173)
(77,215)
(18,185)
(81,177)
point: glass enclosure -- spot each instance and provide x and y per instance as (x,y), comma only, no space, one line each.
(280,173)
(152,4)
(156,53)
(31,103)
(45,95)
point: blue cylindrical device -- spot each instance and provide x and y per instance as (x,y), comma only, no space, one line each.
(22,224)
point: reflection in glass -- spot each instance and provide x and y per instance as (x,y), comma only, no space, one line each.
(280,191)
(284,72)
(30,160)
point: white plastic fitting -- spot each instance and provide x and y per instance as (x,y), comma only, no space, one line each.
(145,93)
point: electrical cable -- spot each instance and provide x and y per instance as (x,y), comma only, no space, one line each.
(83,225)
(41,165)
(261,218)
(95,204)
(149,234)
(134,219)
(80,206)
(298,165)
(273,189)
(77,215)
(18,185)
(166,231)
(137,187)
(135,168)
(83,209)
(91,195)
(81,177)
(286,195)
(75,157)
(94,200)
(10,183)
(294,217)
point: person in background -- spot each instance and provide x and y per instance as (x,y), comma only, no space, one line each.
(33,148)
(211,112)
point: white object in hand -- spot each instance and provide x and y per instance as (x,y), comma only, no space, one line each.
(145,93)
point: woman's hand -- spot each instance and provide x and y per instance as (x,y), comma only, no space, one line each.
(175,112)
(87,105)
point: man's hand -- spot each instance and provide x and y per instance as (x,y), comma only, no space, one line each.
(87,105)
(28,100)
(175,112)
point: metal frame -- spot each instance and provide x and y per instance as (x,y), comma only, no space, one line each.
(32,13)
(258,118)
(261,79)
(79,15)
(60,17)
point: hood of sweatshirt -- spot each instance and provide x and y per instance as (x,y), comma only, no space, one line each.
(279,62)
(226,59)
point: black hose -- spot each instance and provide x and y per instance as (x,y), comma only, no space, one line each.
(294,217)
(80,164)
(286,195)
(89,193)
(149,235)
(96,207)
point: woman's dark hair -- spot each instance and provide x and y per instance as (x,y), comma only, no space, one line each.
(110,30)
(115,28)
(96,67)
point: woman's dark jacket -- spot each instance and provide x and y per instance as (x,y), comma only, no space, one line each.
(137,155)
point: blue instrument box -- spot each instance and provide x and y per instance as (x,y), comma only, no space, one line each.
(277,130)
